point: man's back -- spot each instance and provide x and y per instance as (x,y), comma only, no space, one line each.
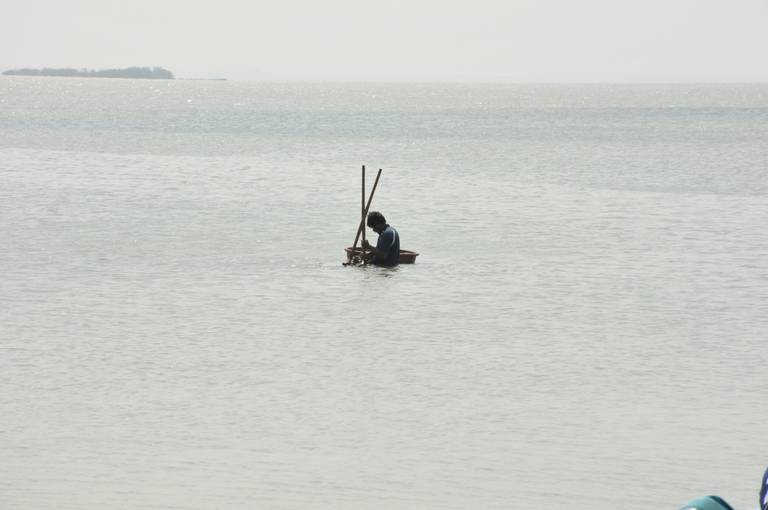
(388,248)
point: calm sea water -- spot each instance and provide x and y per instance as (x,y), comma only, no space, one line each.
(585,326)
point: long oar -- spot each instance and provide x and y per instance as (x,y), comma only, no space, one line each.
(365,214)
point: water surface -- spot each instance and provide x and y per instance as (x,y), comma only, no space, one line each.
(584,327)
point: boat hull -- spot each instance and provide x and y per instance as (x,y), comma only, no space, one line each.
(406,256)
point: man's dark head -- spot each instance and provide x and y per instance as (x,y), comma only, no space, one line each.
(376,221)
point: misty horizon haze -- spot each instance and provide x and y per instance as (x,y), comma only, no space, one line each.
(341,40)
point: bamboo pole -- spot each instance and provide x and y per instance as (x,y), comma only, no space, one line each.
(361,227)
(362,216)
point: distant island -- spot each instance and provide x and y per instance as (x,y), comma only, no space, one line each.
(150,73)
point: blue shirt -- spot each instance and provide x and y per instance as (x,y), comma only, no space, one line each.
(764,492)
(388,247)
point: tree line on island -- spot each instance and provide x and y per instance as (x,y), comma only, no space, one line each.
(154,73)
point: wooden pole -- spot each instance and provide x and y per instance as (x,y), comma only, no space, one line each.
(362,215)
(361,227)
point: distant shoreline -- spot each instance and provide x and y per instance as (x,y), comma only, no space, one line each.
(147,73)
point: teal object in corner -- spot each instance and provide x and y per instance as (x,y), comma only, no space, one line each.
(707,503)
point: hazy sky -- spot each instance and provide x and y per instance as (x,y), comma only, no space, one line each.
(510,40)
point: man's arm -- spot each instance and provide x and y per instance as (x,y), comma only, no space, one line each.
(373,250)
(383,246)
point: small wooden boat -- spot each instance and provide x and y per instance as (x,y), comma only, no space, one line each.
(406,257)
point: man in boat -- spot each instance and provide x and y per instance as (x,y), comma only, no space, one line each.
(387,249)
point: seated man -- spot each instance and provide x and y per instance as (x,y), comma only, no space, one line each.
(387,250)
